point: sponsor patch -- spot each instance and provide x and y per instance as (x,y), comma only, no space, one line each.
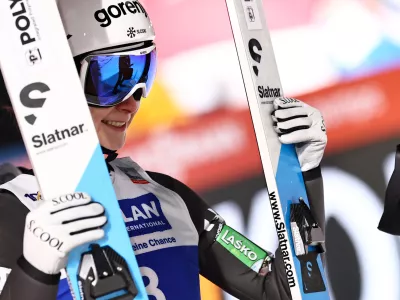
(210,216)
(133,175)
(143,215)
(33,196)
(242,248)
(252,15)
(139,181)
(105,16)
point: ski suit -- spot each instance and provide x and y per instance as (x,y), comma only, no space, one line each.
(173,234)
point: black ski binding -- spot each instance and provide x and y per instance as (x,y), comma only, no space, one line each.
(305,230)
(103,271)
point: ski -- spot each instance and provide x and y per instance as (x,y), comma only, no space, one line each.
(299,237)
(62,144)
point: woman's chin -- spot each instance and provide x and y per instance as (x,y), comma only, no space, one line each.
(110,138)
(113,144)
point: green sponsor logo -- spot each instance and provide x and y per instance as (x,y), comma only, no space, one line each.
(243,249)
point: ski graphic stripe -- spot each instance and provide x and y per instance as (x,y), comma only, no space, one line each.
(290,182)
(102,191)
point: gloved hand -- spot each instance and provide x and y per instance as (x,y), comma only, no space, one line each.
(300,124)
(59,225)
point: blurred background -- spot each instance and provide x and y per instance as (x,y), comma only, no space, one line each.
(341,56)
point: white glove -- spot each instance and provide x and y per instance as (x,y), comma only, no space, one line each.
(59,225)
(300,124)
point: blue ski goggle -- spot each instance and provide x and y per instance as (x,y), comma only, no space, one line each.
(109,79)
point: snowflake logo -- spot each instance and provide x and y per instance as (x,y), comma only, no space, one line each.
(131,32)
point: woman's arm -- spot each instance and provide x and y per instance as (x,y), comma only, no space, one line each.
(24,281)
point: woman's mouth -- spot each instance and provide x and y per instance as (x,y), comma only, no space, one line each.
(116,125)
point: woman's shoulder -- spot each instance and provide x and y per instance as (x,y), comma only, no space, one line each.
(9,171)
(18,185)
